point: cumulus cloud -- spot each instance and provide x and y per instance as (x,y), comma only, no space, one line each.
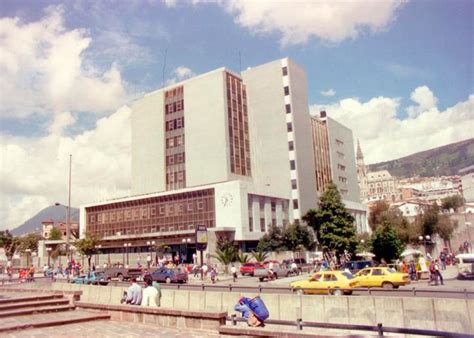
(298,21)
(42,69)
(181,73)
(329,92)
(34,171)
(384,136)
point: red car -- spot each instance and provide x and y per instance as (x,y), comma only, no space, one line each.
(249,268)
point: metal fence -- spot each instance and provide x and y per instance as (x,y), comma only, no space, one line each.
(380,329)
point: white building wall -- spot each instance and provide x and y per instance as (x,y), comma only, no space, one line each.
(206,131)
(148,148)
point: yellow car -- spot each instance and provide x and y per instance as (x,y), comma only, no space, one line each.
(332,282)
(386,278)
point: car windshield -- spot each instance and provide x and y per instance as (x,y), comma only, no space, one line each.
(348,275)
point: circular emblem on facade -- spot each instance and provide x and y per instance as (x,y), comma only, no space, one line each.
(226,199)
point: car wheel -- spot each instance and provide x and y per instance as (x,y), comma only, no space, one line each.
(261,279)
(167,280)
(276,276)
(348,293)
(396,286)
(387,285)
(288,274)
(299,292)
(337,292)
(120,277)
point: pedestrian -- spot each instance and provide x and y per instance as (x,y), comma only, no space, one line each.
(442,258)
(204,269)
(213,276)
(31,273)
(404,267)
(412,270)
(195,269)
(433,274)
(148,260)
(150,293)
(438,273)
(194,258)
(45,269)
(134,293)
(233,271)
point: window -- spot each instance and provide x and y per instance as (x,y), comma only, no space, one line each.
(179,123)
(291,146)
(292,165)
(342,179)
(377,272)
(289,126)
(180,176)
(341,167)
(339,143)
(250,224)
(293,184)
(286,90)
(262,224)
(340,155)
(171,142)
(295,204)
(180,158)
(288,108)
(285,71)
(179,140)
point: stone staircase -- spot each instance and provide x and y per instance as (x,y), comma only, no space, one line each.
(43,310)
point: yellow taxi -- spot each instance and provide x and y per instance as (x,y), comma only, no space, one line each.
(387,278)
(326,282)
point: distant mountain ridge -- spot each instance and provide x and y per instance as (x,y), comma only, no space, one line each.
(446,160)
(56,213)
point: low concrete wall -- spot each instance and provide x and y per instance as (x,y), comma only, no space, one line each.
(454,315)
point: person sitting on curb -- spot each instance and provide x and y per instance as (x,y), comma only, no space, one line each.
(243,307)
(150,294)
(134,293)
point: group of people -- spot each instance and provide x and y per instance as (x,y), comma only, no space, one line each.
(148,296)
(69,270)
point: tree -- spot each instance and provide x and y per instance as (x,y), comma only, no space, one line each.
(55,234)
(452,202)
(335,223)
(87,246)
(445,228)
(260,256)
(399,223)
(297,236)
(29,242)
(8,243)
(310,219)
(243,258)
(226,256)
(376,212)
(385,243)
(272,241)
(429,220)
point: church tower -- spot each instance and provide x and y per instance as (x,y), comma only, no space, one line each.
(361,173)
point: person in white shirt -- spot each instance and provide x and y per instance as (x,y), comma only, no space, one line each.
(233,271)
(150,294)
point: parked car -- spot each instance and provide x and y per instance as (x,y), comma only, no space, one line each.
(326,282)
(249,268)
(356,266)
(121,273)
(92,277)
(279,270)
(168,275)
(384,277)
(465,266)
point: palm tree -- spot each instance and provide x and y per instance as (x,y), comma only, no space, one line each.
(225,256)
(260,256)
(243,258)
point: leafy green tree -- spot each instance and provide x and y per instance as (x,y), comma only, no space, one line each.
(429,220)
(386,244)
(445,228)
(399,223)
(226,256)
(260,256)
(363,242)
(243,258)
(87,246)
(310,219)
(29,242)
(55,234)
(452,202)
(272,241)
(335,223)
(376,212)
(9,243)
(298,236)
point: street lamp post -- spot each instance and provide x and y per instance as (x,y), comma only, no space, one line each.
(127,246)
(425,240)
(150,252)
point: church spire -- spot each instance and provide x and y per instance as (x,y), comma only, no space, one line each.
(360,156)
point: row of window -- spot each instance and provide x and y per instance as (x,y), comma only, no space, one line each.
(174,92)
(175,159)
(175,124)
(341,167)
(175,141)
(173,107)
(342,179)
(175,177)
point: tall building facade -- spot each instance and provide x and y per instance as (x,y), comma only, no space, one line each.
(233,152)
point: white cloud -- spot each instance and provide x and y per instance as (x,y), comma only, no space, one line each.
(179,74)
(42,69)
(298,21)
(34,171)
(384,136)
(329,92)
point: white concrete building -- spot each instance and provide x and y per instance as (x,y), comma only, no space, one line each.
(467,183)
(231,152)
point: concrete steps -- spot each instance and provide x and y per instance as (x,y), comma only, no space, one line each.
(37,311)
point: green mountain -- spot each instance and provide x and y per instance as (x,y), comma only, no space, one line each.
(442,161)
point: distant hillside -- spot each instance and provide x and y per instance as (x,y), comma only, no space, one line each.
(56,213)
(442,161)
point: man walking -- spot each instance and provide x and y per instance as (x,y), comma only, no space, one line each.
(233,271)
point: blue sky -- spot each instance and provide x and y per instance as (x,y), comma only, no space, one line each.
(399,73)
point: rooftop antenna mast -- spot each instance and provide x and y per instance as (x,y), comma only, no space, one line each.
(164,68)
